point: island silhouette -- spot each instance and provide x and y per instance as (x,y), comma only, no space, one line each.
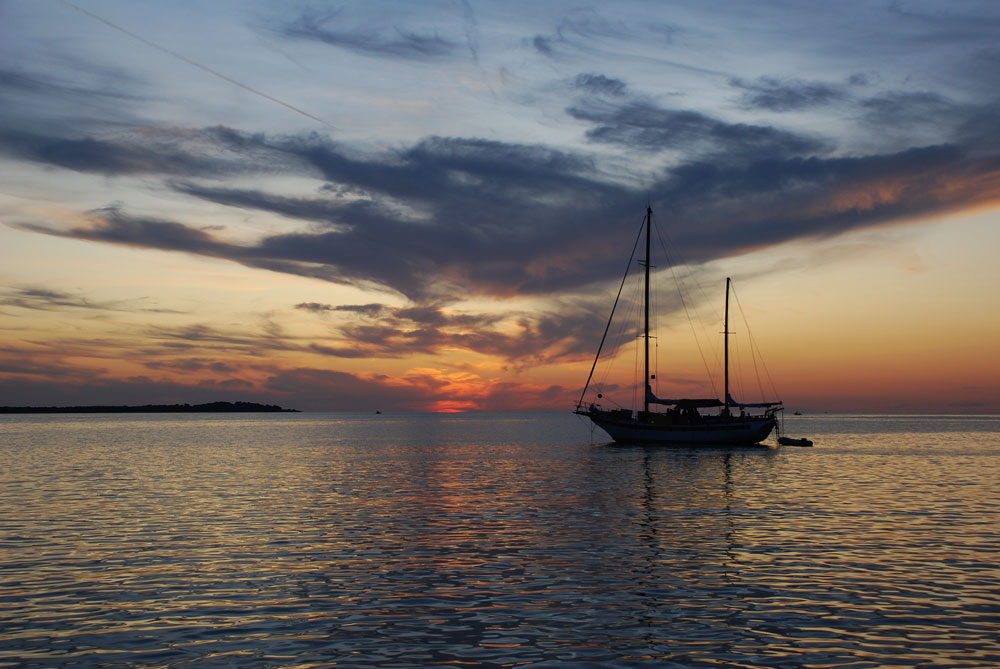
(210,407)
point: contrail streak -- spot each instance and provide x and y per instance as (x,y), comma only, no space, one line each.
(187,60)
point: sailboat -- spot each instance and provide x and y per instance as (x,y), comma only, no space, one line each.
(686,421)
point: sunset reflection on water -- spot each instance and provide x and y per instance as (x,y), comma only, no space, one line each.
(504,540)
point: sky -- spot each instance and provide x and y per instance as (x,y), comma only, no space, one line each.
(428,206)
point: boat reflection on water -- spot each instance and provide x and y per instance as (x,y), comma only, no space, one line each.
(679,560)
(687,506)
(623,552)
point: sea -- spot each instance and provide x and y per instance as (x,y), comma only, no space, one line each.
(494,540)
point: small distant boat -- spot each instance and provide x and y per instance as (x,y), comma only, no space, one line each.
(789,441)
(798,413)
(683,423)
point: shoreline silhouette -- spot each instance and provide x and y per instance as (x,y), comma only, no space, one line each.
(210,407)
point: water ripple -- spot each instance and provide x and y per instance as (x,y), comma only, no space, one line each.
(492,541)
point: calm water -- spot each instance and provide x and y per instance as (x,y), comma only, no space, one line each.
(321,539)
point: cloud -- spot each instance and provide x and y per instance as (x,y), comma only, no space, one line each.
(315,307)
(769,201)
(96,96)
(454,217)
(25,364)
(191,365)
(15,81)
(45,299)
(472,213)
(106,84)
(896,108)
(600,84)
(450,217)
(582,30)
(912,115)
(369,310)
(444,215)
(947,25)
(644,126)
(396,43)
(565,332)
(543,45)
(83,155)
(351,352)
(165,151)
(114,226)
(226,384)
(779,95)
(204,337)
(312,209)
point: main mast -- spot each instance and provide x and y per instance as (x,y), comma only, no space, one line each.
(725,329)
(645,336)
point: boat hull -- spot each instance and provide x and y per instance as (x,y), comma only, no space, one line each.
(720,432)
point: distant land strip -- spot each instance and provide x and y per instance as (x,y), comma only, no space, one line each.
(211,407)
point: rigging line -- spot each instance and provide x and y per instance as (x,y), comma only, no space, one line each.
(754,353)
(737,346)
(635,373)
(621,337)
(621,332)
(656,343)
(195,63)
(681,288)
(655,297)
(753,345)
(687,313)
(738,363)
(634,318)
(613,307)
(702,295)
